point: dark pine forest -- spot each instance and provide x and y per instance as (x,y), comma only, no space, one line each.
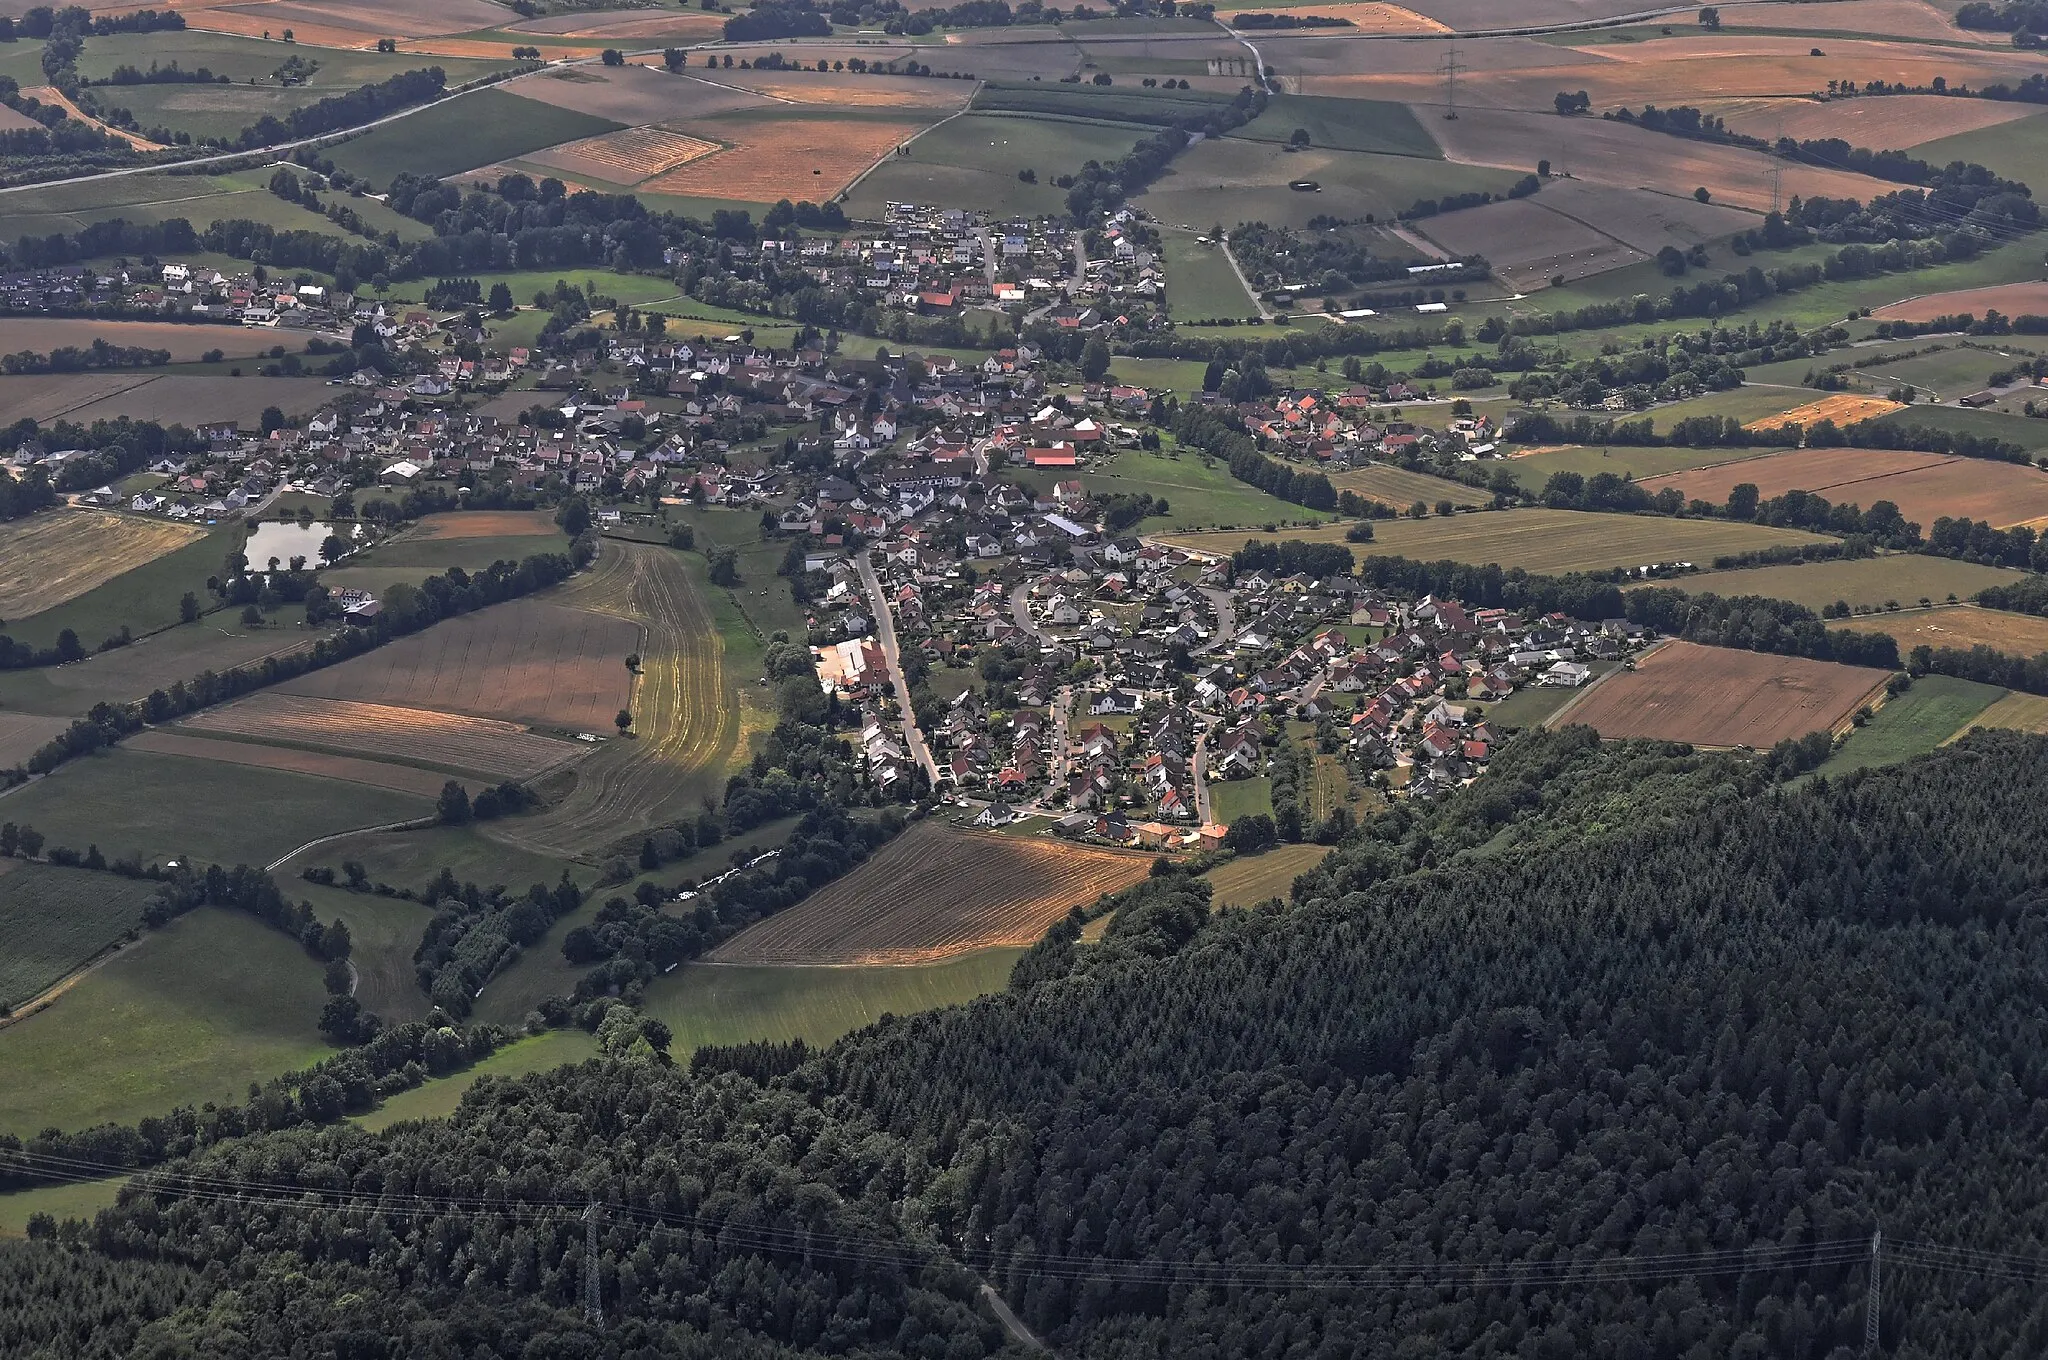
(1607,1005)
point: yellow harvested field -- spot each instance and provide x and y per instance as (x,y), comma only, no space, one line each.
(1893,18)
(1901,120)
(376,773)
(58,555)
(857,92)
(483,50)
(625,24)
(500,749)
(375,18)
(1924,486)
(2013,299)
(2018,712)
(626,157)
(1251,879)
(487,524)
(1371,17)
(777,158)
(1843,408)
(1963,626)
(23,734)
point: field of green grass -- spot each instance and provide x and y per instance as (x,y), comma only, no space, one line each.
(462,134)
(635,290)
(142,600)
(1948,373)
(383,933)
(2017,150)
(1542,541)
(52,920)
(1345,124)
(1123,103)
(1237,180)
(974,159)
(1235,798)
(200,199)
(166,807)
(438,1098)
(1534,704)
(1251,879)
(1198,491)
(1532,471)
(730,1004)
(1914,723)
(1200,284)
(2028,433)
(1743,403)
(426,556)
(80,1200)
(194,1012)
(411,859)
(216,641)
(1904,578)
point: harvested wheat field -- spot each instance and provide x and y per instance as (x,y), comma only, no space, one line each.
(1925,486)
(625,157)
(500,749)
(487,524)
(1721,696)
(1844,408)
(375,773)
(634,95)
(58,555)
(1963,626)
(625,24)
(1892,18)
(2019,712)
(1900,120)
(2013,299)
(1370,17)
(935,892)
(522,662)
(793,158)
(23,734)
(185,343)
(378,18)
(856,92)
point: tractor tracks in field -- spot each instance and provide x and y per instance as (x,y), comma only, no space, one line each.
(685,718)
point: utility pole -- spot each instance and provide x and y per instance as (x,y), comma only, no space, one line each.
(593,1307)
(1450,68)
(1874,1299)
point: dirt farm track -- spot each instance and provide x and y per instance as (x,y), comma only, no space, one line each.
(935,892)
(1720,696)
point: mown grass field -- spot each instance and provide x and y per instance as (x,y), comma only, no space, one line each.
(1534,704)
(1936,708)
(1346,124)
(142,600)
(1541,541)
(437,1098)
(194,1012)
(1198,491)
(1533,470)
(383,933)
(1235,798)
(1904,579)
(2018,150)
(1251,879)
(974,159)
(2017,429)
(1400,488)
(2020,712)
(462,134)
(410,859)
(52,920)
(166,807)
(1200,284)
(217,641)
(1236,180)
(80,1200)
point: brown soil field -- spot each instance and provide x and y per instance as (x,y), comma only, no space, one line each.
(634,95)
(379,18)
(1469,15)
(487,524)
(23,734)
(523,662)
(1961,626)
(1902,120)
(1598,151)
(500,749)
(1925,486)
(86,397)
(401,778)
(58,555)
(776,158)
(2013,299)
(935,892)
(625,157)
(624,24)
(186,343)
(1844,408)
(10,121)
(1720,696)
(256,21)
(858,92)
(1893,18)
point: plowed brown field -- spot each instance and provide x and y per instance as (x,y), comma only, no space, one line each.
(2013,299)
(1925,486)
(487,524)
(1720,696)
(500,749)
(934,892)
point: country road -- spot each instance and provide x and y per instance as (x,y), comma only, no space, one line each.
(885,633)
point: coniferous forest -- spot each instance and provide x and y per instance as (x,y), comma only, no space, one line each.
(1623,1051)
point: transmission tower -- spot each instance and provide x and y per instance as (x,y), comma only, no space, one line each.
(1450,68)
(593,1307)
(1874,1300)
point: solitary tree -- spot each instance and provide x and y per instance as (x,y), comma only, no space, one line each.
(1710,18)
(453,805)
(614,57)
(624,720)
(188,608)
(1299,137)
(1701,194)
(633,661)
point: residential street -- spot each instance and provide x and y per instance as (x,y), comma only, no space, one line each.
(885,633)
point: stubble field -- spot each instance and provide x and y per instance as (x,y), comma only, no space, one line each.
(1962,626)
(935,892)
(23,734)
(376,774)
(1844,408)
(768,158)
(185,343)
(58,555)
(500,749)
(523,661)
(1925,486)
(625,157)
(1720,696)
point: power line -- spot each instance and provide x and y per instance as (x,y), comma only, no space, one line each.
(1450,68)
